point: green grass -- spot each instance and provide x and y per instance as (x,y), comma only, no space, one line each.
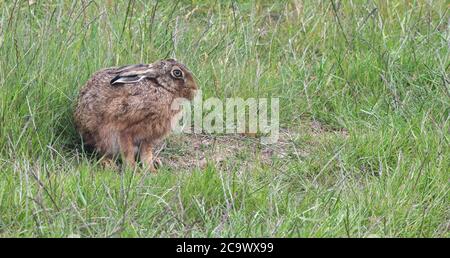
(377,71)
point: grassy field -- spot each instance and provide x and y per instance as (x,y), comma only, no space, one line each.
(364,106)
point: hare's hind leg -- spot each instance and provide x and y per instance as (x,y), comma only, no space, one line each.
(108,162)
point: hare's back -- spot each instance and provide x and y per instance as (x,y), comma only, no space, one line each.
(93,99)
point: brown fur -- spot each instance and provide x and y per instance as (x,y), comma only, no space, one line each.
(121,118)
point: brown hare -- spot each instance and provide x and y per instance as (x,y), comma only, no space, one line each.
(126,110)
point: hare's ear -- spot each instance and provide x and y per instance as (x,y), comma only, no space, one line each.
(126,79)
(134,74)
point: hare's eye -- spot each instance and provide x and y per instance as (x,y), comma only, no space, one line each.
(177,73)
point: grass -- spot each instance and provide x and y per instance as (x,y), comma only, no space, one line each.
(364,98)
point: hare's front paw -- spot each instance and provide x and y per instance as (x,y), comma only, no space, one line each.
(157,163)
(147,158)
(153,166)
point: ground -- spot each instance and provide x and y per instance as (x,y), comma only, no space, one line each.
(364,120)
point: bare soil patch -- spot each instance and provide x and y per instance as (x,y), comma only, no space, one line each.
(189,151)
